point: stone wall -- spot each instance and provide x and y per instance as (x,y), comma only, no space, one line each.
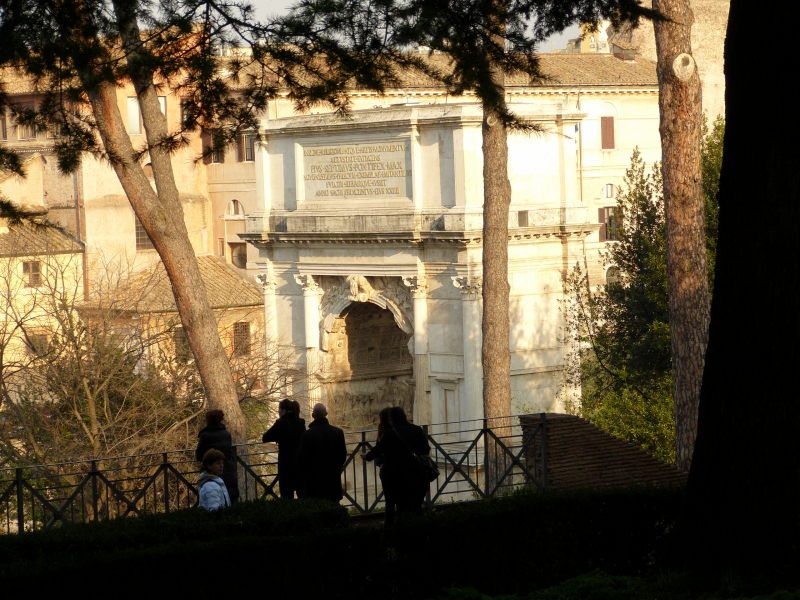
(708,45)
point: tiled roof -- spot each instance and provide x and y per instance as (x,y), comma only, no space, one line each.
(26,239)
(226,286)
(151,290)
(580,455)
(562,69)
(574,69)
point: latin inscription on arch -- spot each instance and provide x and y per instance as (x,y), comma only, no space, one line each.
(369,170)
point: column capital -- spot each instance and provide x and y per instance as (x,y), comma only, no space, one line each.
(310,287)
(268,285)
(418,286)
(469,286)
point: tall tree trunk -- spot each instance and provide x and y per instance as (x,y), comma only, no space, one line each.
(496,356)
(681,122)
(161,214)
(743,492)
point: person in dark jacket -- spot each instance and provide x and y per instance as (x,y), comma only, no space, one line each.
(286,432)
(215,435)
(321,458)
(397,442)
(388,483)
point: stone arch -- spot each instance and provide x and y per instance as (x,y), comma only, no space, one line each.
(367,343)
(356,288)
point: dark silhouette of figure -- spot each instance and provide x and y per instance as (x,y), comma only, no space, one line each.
(321,457)
(403,485)
(388,484)
(286,432)
(215,435)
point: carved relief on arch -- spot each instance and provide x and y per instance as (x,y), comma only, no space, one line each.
(386,292)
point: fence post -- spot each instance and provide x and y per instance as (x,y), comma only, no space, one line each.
(165,471)
(93,473)
(20,503)
(543,433)
(486,454)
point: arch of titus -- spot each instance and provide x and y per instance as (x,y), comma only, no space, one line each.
(367,240)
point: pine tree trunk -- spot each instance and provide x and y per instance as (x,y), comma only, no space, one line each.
(496,356)
(681,122)
(743,492)
(161,214)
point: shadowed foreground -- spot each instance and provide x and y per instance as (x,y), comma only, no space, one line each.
(519,546)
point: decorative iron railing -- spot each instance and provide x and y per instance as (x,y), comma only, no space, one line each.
(476,459)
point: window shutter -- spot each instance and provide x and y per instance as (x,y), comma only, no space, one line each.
(607,133)
(601,216)
(240,141)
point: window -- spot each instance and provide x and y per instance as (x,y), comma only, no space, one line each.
(213,147)
(613,276)
(134,120)
(183,353)
(32,273)
(235,208)
(607,133)
(241,338)
(25,131)
(610,223)
(238,255)
(38,343)
(610,191)
(3,126)
(135,115)
(187,120)
(246,148)
(218,155)
(142,239)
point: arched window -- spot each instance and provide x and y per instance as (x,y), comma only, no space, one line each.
(613,276)
(235,208)
(238,255)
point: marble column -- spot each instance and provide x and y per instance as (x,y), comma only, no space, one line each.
(263,191)
(417,194)
(268,286)
(312,295)
(422,400)
(471,318)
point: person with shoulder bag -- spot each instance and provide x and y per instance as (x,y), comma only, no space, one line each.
(401,477)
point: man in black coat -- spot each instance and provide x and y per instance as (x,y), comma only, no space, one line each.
(321,457)
(287,432)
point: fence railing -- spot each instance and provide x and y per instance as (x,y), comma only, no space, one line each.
(476,459)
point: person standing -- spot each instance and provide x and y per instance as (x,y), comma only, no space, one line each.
(286,432)
(398,441)
(321,457)
(215,435)
(212,490)
(388,483)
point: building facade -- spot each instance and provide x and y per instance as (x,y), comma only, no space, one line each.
(368,231)
(365,233)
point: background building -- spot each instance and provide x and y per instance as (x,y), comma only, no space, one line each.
(369,235)
(365,233)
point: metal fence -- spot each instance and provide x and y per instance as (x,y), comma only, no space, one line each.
(43,496)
